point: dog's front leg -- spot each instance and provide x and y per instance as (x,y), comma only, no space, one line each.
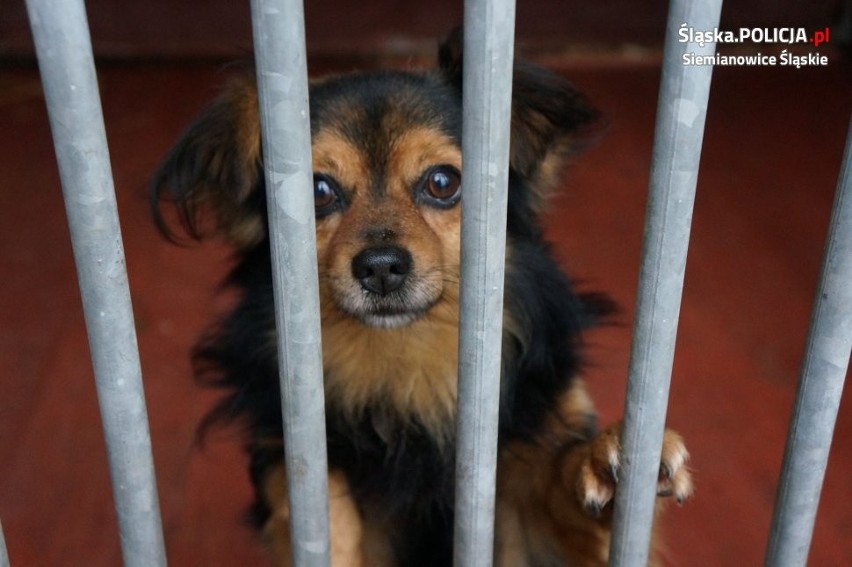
(345,523)
(554,494)
(590,473)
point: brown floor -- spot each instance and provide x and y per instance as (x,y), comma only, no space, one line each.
(770,162)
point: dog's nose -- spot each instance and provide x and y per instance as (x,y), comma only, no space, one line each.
(383,269)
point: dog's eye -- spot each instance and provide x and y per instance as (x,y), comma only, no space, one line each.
(325,195)
(441,185)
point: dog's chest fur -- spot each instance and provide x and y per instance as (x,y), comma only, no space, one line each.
(409,373)
(395,442)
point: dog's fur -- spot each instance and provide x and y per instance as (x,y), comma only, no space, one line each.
(387,163)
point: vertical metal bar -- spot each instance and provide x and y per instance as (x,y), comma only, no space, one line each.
(487,98)
(67,67)
(681,111)
(4,554)
(279,39)
(820,387)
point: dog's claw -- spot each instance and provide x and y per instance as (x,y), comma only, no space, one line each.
(599,474)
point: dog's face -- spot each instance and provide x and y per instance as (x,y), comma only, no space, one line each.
(387,189)
(388,193)
(388,180)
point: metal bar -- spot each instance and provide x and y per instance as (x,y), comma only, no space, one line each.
(823,373)
(681,111)
(4,553)
(279,40)
(64,51)
(487,99)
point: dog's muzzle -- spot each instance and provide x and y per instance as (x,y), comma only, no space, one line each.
(386,291)
(382,270)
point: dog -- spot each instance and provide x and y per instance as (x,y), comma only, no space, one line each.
(387,161)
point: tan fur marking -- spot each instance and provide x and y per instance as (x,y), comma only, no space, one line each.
(419,148)
(276,532)
(243,97)
(510,544)
(333,155)
(409,370)
(239,104)
(376,544)
(412,369)
(345,524)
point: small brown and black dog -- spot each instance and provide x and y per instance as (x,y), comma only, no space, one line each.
(387,185)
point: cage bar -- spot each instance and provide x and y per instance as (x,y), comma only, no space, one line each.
(64,52)
(487,99)
(821,379)
(681,112)
(280,53)
(4,553)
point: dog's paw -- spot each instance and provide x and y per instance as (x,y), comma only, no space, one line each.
(598,473)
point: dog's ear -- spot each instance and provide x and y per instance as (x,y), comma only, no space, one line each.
(213,175)
(550,117)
